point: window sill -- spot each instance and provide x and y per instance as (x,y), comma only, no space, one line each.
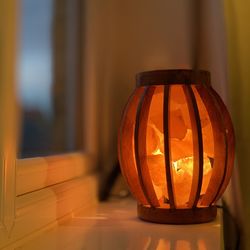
(47,171)
(114,225)
(44,209)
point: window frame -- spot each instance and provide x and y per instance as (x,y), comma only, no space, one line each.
(32,200)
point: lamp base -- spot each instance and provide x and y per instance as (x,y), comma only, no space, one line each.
(177,216)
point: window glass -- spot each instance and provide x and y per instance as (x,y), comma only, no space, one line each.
(48,77)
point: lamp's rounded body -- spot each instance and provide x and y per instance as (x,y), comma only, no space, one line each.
(176,146)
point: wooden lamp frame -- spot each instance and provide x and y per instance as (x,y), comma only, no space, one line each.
(199,209)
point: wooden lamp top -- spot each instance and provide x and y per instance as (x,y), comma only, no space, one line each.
(173,76)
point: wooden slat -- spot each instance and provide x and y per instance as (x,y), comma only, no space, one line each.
(80,122)
(197,147)
(166,146)
(59,80)
(126,148)
(141,144)
(172,76)
(177,216)
(230,144)
(9,114)
(220,150)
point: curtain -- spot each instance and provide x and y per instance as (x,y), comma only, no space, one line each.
(238,37)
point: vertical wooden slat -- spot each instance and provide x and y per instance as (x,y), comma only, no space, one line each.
(197,146)
(229,141)
(220,150)
(126,147)
(79,64)
(67,63)
(9,114)
(140,143)
(166,146)
(59,69)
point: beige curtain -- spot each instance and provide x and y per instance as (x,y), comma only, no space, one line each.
(238,36)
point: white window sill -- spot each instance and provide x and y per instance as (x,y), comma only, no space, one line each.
(114,225)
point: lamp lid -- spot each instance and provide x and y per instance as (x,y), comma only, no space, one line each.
(173,76)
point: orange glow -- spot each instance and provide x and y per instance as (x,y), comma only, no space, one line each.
(181,146)
(183,176)
(182,172)
(176,148)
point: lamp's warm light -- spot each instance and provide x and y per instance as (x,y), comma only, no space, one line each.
(183,176)
(182,168)
(182,171)
(176,146)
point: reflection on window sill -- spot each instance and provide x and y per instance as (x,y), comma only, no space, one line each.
(114,225)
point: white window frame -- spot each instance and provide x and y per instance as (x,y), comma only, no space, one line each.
(36,192)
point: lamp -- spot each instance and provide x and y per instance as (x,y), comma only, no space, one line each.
(176,146)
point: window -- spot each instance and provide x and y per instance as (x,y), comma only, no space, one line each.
(36,191)
(49,77)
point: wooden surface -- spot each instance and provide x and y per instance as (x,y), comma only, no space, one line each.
(43,172)
(197,146)
(177,216)
(140,143)
(172,76)
(125,147)
(44,209)
(9,114)
(193,128)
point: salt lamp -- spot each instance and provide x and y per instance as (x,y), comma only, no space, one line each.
(176,146)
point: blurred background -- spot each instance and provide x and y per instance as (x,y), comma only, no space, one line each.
(77,62)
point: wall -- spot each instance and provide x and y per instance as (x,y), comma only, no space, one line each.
(126,37)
